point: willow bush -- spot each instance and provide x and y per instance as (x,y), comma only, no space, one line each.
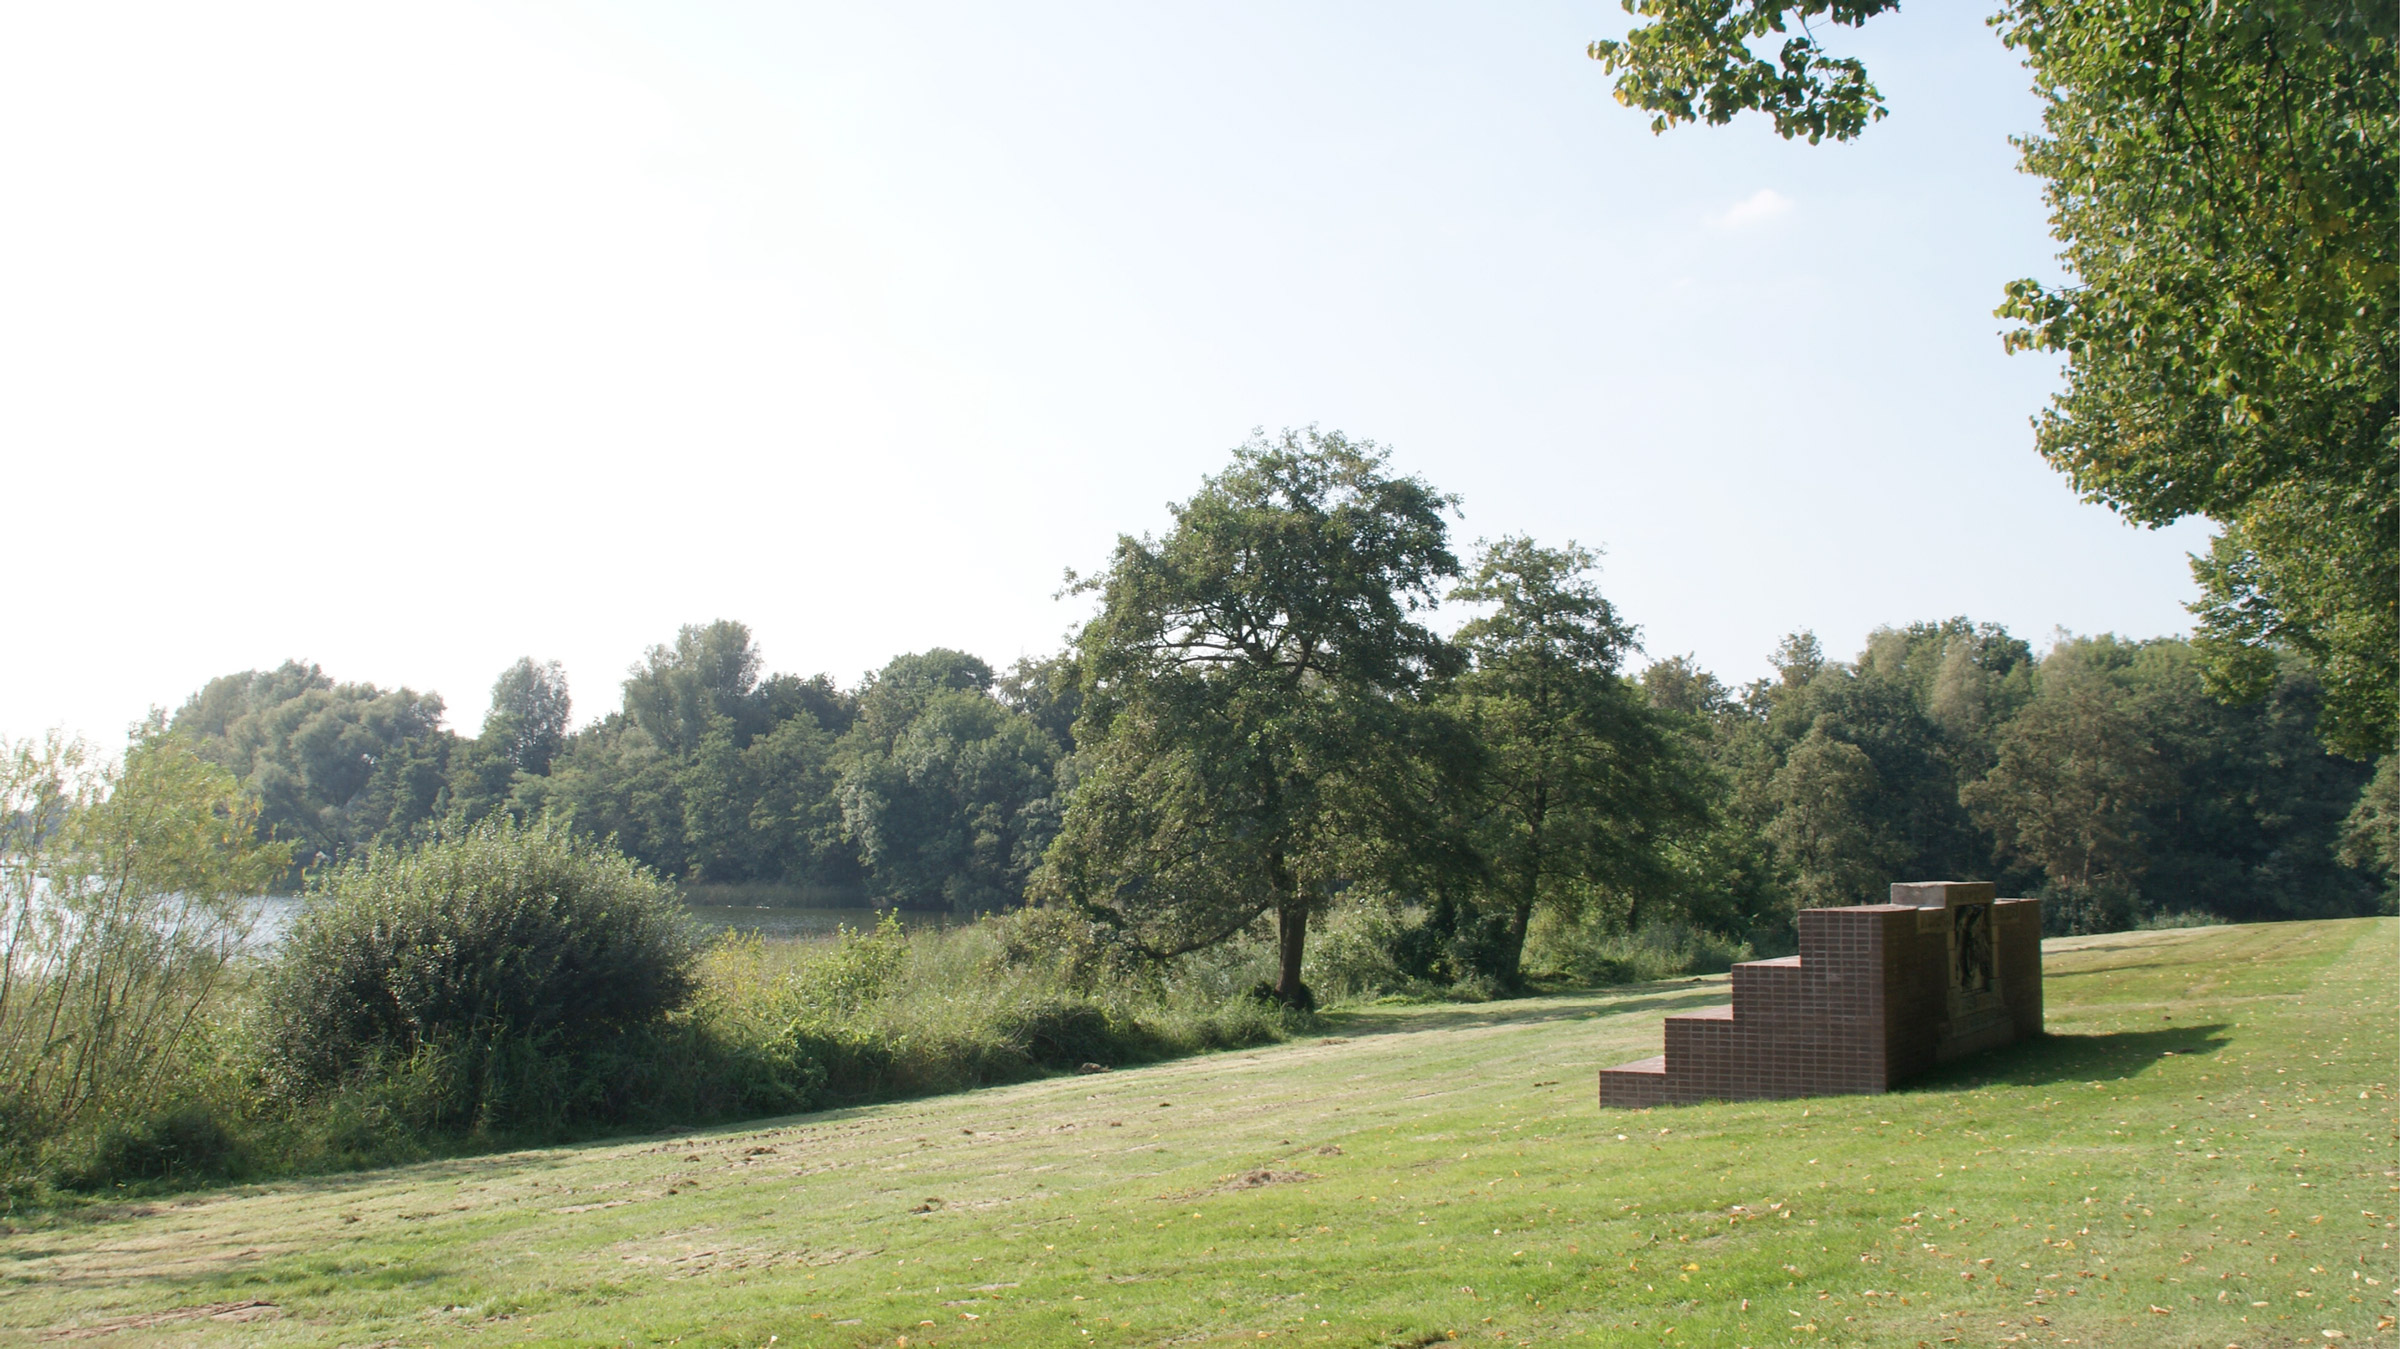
(491,964)
(127,886)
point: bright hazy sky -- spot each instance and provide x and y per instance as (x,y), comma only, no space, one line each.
(410,339)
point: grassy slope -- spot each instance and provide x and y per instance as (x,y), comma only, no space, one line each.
(2203,1153)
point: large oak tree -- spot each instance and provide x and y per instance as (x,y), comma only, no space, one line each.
(1252,734)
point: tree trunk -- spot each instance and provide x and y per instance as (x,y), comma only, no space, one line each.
(1291,927)
(1520,917)
(1291,931)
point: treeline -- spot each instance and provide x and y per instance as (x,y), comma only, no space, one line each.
(931,783)
(1263,671)
(2100,775)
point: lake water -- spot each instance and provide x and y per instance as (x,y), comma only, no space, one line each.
(773,922)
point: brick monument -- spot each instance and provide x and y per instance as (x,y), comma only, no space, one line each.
(1878,992)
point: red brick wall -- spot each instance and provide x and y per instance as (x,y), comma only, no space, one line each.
(1862,1007)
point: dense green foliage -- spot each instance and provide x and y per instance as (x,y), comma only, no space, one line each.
(2102,776)
(950,793)
(1251,711)
(2223,178)
(1258,727)
(529,719)
(503,943)
(1583,791)
(711,772)
(513,984)
(932,784)
(2371,836)
(332,766)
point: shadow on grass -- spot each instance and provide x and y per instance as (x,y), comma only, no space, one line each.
(1536,1011)
(69,1211)
(229,1275)
(2113,970)
(2072,1058)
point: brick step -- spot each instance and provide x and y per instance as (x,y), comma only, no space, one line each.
(1703,1042)
(1768,991)
(1868,1003)
(1635,1086)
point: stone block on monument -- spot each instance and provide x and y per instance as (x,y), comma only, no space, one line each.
(1943,894)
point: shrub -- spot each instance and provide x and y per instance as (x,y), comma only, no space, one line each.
(1478,947)
(1359,952)
(886,1013)
(1088,955)
(186,1142)
(2106,904)
(859,968)
(2160,922)
(1587,954)
(487,963)
(1375,946)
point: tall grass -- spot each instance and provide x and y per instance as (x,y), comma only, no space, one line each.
(479,991)
(890,1013)
(786,1026)
(1583,953)
(1353,958)
(2180,918)
(771,1027)
(124,887)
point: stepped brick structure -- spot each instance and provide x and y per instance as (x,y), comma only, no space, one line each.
(1877,993)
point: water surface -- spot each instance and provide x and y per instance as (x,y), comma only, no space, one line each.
(274,914)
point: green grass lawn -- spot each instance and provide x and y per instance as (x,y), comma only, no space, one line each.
(2203,1152)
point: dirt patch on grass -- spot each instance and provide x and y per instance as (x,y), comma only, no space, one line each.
(215,1311)
(1256,1179)
(710,1250)
(1263,1177)
(701,1261)
(161,1255)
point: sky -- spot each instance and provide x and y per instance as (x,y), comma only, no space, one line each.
(410,340)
